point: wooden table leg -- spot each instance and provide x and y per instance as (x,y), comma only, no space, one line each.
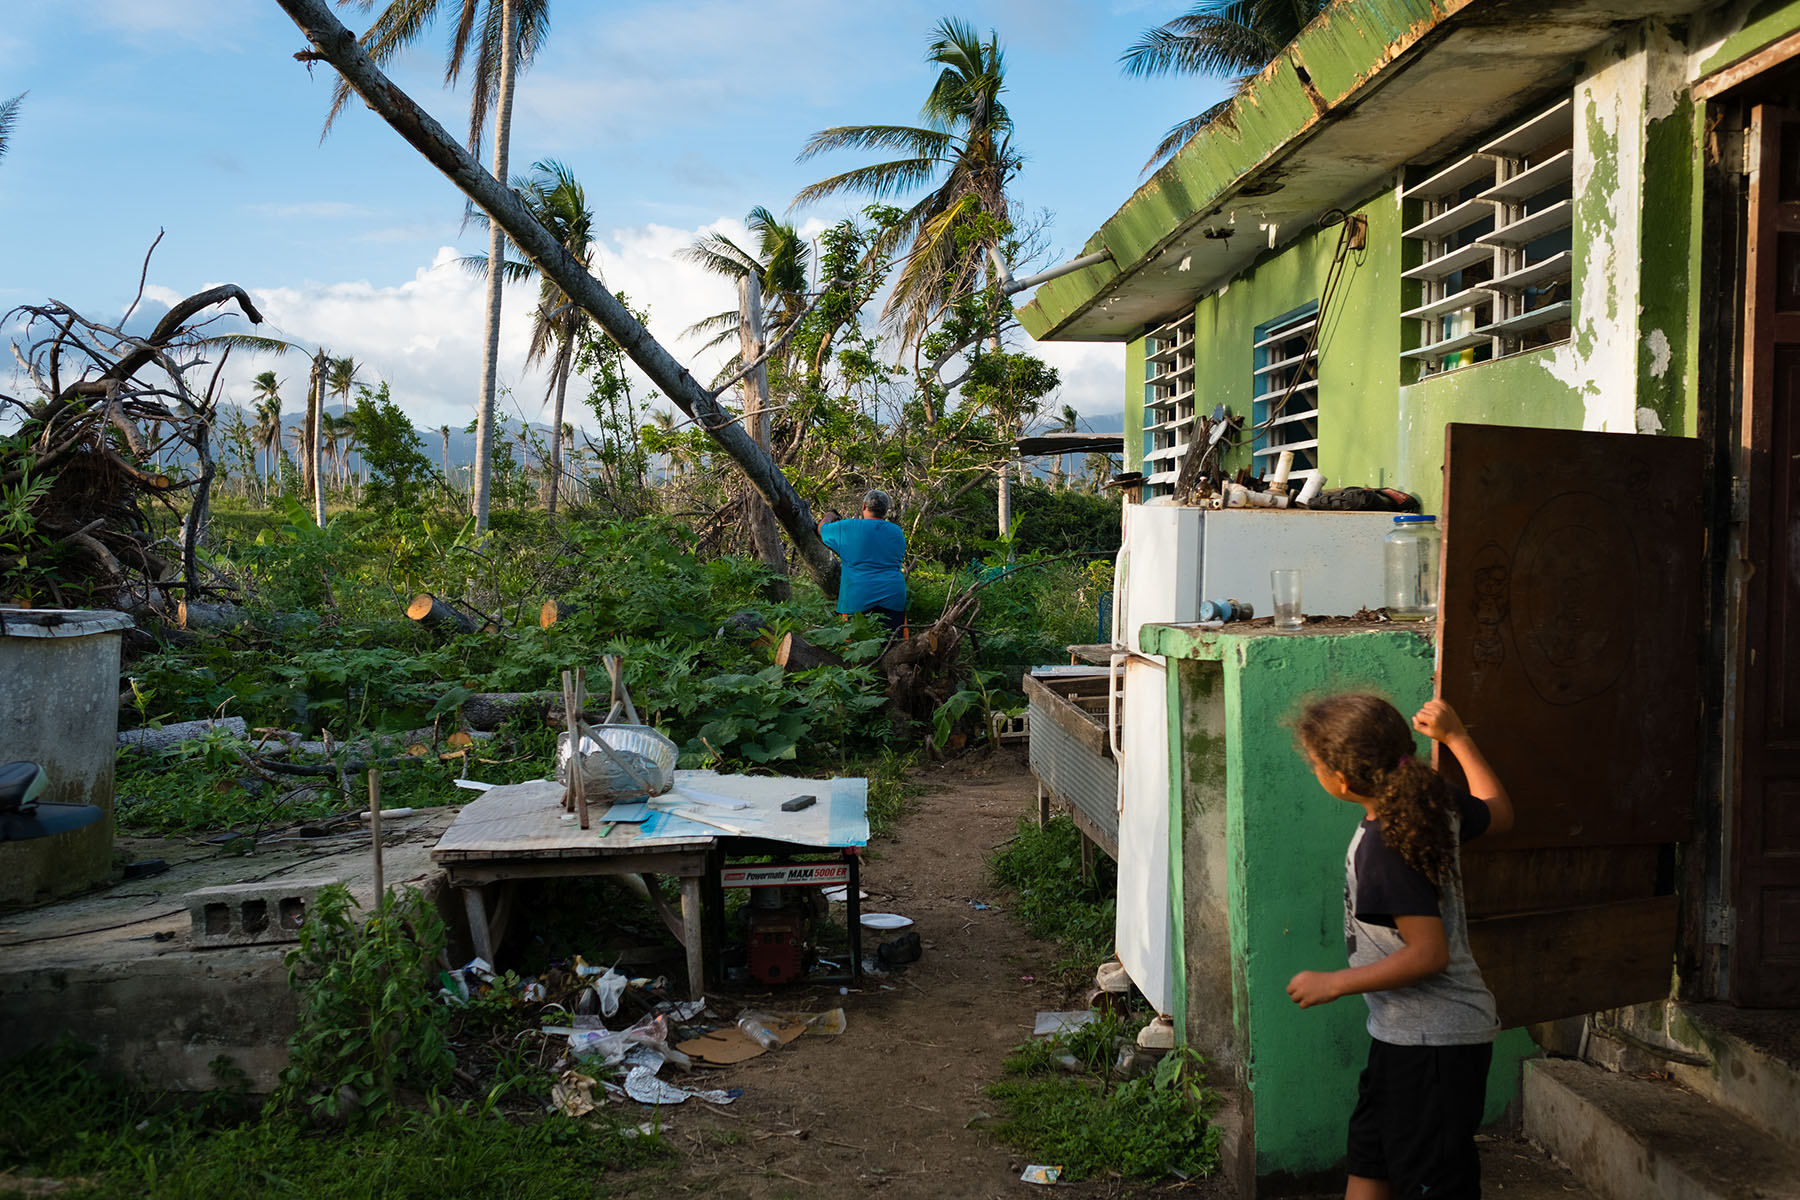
(692,938)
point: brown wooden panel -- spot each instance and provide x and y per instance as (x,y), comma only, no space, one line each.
(1545,966)
(1765,885)
(1569,626)
(1514,881)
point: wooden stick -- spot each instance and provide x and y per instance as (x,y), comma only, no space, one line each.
(692,815)
(581,806)
(575,795)
(571,717)
(375,833)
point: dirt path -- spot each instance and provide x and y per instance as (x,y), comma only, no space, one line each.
(887,1106)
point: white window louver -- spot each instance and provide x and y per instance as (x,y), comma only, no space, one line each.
(1493,231)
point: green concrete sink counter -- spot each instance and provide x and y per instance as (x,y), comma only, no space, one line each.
(1257,875)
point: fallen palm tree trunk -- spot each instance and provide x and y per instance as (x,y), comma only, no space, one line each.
(335,44)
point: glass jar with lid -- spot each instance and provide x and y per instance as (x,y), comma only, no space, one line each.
(1410,554)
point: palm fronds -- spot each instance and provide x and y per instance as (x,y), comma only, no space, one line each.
(1235,38)
(9,113)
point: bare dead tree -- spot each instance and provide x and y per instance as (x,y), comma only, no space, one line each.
(109,405)
(336,45)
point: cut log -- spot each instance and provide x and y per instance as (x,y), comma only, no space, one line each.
(490,710)
(184,731)
(438,615)
(201,614)
(554,611)
(797,654)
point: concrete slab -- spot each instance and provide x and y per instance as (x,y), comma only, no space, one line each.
(1632,1138)
(115,968)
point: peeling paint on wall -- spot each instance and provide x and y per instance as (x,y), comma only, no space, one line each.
(1658,341)
(1648,421)
(1600,360)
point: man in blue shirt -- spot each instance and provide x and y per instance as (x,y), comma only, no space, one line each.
(871,550)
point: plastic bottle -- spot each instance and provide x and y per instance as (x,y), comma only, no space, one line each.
(1410,555)
(756,1027)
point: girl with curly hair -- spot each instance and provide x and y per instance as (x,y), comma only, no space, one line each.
(1431,1018)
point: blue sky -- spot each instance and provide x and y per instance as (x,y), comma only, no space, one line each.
(191,116)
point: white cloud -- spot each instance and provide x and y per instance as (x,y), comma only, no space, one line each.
(424,335)
(205,21)
(1093,375)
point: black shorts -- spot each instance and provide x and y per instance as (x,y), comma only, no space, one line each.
(1417,1110)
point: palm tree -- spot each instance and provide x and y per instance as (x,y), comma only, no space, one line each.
(268,421)
(1216,37)
(340,378)
(9,112)
(965,146)
(558,201)
(780,263)
(1065,423)
(307,444)
(510,34)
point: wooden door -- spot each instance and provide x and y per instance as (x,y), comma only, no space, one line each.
(1765,959)
(1569,639)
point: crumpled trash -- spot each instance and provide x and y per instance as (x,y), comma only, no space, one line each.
(606,984)
(642,1085)
(1036,1174)
(573,1094)
(611,1048)
(682,1012)
(453,986)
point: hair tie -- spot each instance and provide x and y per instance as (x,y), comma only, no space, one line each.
(1402,761)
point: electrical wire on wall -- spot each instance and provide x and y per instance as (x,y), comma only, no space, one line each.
(1352,236)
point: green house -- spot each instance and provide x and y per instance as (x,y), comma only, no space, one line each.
(1581,215)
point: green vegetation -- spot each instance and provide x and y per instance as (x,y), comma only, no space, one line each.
(369,1020)
(327,650)
(103,1139)
(1043,868)
(1062,1108)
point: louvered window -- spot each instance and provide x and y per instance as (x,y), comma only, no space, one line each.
(1168,402)
(1285,412)
(1493,229)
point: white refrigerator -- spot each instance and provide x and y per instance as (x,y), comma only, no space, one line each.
(1170,559)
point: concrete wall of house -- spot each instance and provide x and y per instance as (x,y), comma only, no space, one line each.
(1282,855)
(1134,406)
(1631,363)
(1203,918)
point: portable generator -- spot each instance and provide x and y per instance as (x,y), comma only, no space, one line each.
(779,933)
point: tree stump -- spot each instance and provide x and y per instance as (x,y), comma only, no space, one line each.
(797,654)
(439,616)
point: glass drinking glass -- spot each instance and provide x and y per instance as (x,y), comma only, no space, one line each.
(1286,584)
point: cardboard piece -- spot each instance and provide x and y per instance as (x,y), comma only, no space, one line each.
(729,1046)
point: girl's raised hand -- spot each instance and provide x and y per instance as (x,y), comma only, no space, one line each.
(1438,721)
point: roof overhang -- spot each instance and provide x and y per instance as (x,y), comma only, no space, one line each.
(1369,87)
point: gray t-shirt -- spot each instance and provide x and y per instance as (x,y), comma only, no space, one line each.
(1451,1008)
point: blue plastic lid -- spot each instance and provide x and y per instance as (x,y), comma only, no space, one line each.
(1413,519)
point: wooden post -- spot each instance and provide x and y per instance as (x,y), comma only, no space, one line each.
(692,935)
(375,833)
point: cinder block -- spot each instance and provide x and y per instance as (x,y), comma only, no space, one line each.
(248,914)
